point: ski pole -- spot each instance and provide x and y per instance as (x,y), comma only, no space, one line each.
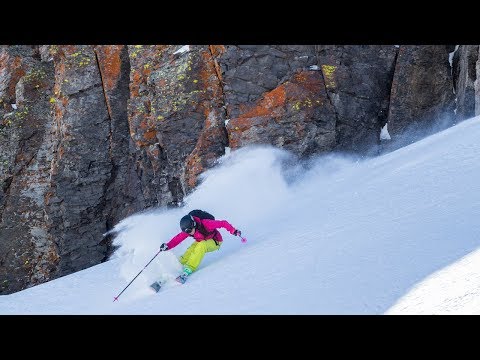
(116,297)
(244,240)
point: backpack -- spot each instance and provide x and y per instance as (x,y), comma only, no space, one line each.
(201,214)
(204,215)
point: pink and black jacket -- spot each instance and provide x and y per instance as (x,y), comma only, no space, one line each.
(206,229)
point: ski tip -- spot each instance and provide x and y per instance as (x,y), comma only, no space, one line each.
(115,299)
(156,286)
(180,280)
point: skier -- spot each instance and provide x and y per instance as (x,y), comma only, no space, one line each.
(207,239)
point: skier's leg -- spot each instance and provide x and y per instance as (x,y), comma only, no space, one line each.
(197,253)
(186,255)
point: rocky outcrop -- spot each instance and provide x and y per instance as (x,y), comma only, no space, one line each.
(276,95)
(81,166)
(464,70)
(422,99)
(122,188)
(477,89)
(92,134)
(59,151)
(176,118)
(358,79)
(28,253)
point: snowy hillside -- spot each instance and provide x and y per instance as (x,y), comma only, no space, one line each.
(395,234)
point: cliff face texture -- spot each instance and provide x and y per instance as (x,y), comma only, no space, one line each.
(466,70)
(91,134)
(421,100)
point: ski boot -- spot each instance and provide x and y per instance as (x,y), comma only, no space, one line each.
(183,276)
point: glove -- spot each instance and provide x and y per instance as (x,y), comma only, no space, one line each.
(239,233)
(163,247)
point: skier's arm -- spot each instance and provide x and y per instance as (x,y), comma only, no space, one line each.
(177,239)
(215,224)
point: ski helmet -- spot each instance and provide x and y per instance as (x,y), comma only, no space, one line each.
(187,223)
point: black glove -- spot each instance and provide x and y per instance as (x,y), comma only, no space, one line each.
(163,247)
(237,233)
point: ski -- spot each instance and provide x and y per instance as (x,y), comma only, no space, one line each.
(181,278)
(156,286)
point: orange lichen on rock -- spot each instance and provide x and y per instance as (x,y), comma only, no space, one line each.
(110,64)
(269,104)
(15,70)
(217,50)
(135,80)
(301,93)
(68,49)
(150,134)
(210,75)
(143,125)
(194,166)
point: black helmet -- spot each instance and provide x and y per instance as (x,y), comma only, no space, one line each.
(187,223)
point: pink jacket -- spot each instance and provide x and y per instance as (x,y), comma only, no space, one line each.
(210,227)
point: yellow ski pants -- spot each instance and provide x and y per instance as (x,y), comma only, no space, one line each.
(193,256)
